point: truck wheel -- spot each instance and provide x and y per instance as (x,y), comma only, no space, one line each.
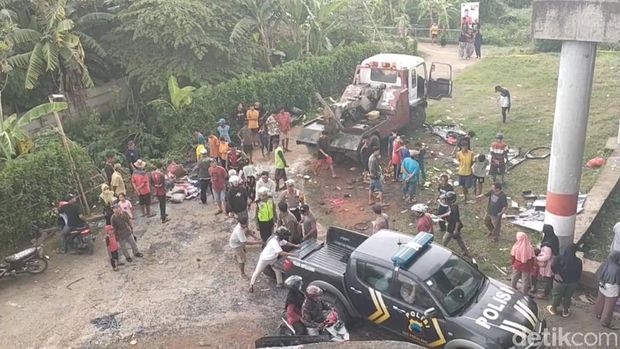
(334,302)
(418,117)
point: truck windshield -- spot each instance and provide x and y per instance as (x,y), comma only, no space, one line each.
(383,75)
(455,284)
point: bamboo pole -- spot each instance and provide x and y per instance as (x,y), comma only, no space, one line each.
(72,167)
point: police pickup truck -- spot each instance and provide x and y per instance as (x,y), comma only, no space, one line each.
(416,289)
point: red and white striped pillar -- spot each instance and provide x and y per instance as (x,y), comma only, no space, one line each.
(570,122)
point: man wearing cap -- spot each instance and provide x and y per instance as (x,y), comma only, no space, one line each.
(239,239)
(117,182)
(218,183)
(132,154)
(293,197)
(237,198)
(499,157)
(223,129)
(142,186)
(265,182)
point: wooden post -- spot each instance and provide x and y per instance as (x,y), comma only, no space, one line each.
(74,173)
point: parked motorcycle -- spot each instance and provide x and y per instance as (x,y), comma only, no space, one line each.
(31,260)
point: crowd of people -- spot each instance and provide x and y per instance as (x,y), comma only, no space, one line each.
(470,39)
(282,218)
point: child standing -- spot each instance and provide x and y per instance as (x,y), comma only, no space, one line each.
(112,244)
(479,170)
(125,205)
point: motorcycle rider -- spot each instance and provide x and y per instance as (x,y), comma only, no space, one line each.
(294,302)
(312,311)
(70,212)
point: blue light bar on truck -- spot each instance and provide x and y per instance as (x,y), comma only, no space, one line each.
(413,249)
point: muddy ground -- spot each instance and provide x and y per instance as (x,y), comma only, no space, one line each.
(186,292)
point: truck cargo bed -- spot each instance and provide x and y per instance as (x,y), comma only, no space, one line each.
(332,257)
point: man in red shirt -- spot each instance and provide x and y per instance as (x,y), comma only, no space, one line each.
(218,184)
(286,123)
(159,182)
(142,186)
(424,222)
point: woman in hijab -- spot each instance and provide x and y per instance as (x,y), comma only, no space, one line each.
(549,247)
(551,239)
(567,269)
(522,253)
(615,244)
(608,289)
(107,196)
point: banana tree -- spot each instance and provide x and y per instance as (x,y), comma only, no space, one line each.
(180,97)
(13,128)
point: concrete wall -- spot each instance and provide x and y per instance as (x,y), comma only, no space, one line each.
(102,99)
(576,20)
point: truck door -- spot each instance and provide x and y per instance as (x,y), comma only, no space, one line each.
(439,81)
(407,303)
(366,287)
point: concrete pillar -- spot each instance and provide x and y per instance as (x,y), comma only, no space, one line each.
(572,107)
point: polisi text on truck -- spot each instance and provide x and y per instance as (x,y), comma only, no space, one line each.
(492,311)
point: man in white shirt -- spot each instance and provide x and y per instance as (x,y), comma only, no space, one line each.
(266,182)
(239,239)
(269,255)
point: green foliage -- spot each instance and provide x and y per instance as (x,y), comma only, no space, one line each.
(512,29)
(185,38)
(293,84)
(31,185)
(12,129)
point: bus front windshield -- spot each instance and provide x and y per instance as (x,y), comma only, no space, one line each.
(455,284)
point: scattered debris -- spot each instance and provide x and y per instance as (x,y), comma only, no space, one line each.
(449,133)
(500,270)
(347,195)
(133,342)
(338,188)
(534,217)
(353,169)
(306,177)
(107,322)
(536,153)
(78,280)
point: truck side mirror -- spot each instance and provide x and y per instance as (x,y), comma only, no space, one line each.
(430,312)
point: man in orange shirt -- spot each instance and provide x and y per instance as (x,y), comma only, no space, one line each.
(285,123)
(214,147)
(252,116)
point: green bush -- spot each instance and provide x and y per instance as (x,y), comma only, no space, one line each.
(31,185)
(511,29)
(293,84)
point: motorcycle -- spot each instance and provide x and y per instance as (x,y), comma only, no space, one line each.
(333,327)
(79,238)
(31,260)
